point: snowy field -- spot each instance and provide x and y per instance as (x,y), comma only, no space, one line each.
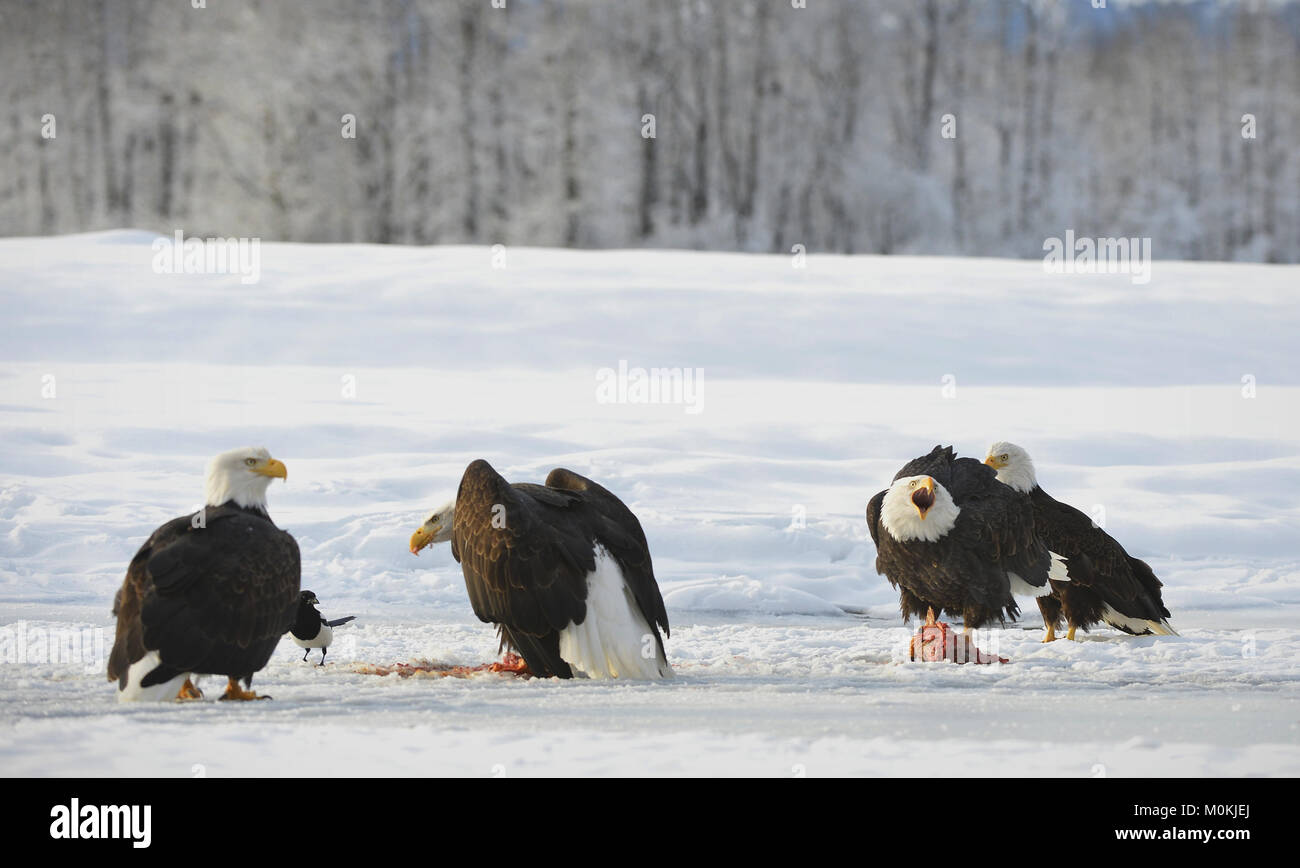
(376,374)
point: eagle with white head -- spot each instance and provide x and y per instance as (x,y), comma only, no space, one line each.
(1106,582)
(953,539)
(562,569)
(210,592)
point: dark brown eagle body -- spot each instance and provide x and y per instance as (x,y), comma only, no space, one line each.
(209,599)
(966,572)
(1102,573)
(527,550)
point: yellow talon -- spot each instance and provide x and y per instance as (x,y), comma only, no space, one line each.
(234,692)
(188,691)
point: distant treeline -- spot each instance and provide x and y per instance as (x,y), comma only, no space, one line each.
(880,126)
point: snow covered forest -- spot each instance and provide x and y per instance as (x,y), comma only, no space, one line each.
(881,126)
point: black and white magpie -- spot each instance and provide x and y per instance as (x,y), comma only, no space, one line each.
(311,630)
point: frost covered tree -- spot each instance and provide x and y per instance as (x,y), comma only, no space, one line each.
(887,126)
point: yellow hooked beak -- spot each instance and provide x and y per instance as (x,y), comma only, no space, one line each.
(923,496)
(423,536)
(994,462)
(272,467)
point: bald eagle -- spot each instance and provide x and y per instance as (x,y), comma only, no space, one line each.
(953,539)
(562,569)
(1106,583)
(210,592)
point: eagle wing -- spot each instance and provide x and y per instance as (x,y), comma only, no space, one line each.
(873,517)
(619,531)
(1096,560)
(217,596)
(523,570)
(997,525)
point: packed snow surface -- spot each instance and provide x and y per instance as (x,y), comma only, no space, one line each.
(1167,410)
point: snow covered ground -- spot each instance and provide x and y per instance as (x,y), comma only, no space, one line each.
(378,373)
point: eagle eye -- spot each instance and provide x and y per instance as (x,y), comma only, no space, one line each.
(1005,456)
(250,461)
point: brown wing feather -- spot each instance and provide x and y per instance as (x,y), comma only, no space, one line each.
(619,531)
(128,646)
(526,552)
(873,517)
(1097,562)
(520,569)
(212,599)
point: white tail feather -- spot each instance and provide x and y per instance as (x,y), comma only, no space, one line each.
(1162,628)
(162,692)
(613,640)
(1136,625)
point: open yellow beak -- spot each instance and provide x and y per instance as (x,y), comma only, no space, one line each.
(923,496)
(273,467)
(422,537)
